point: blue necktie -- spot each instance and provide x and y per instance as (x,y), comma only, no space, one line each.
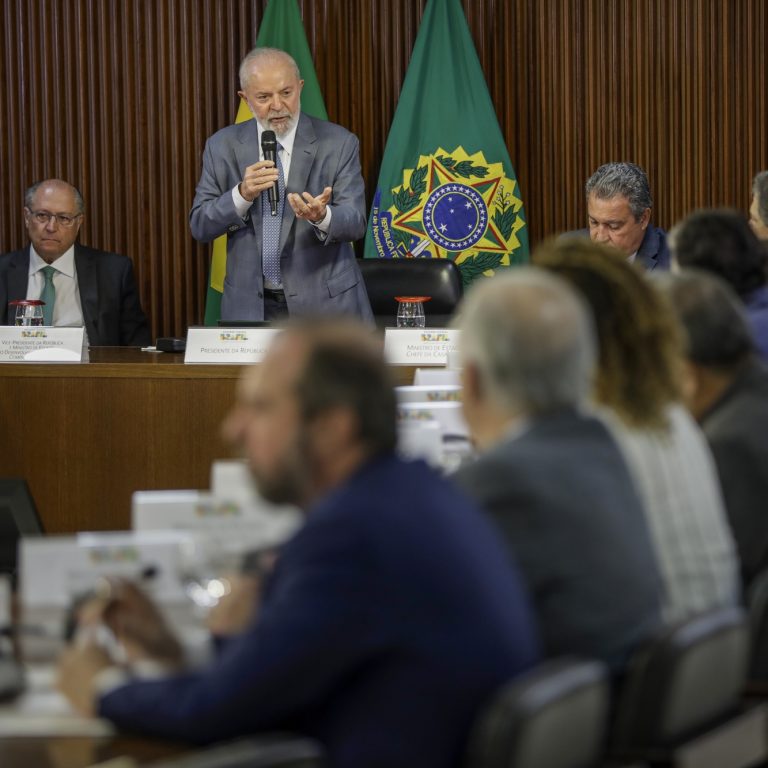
(48,295)
(270,230)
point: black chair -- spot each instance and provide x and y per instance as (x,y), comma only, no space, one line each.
(438,278)
(553,717)
(269,751)
(680,702)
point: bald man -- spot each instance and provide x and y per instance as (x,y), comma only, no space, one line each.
(81,286)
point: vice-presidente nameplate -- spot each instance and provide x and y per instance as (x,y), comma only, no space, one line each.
(40,344)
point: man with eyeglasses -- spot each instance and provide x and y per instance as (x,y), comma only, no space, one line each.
(80,285)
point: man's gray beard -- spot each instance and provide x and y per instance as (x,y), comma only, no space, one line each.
(288,126)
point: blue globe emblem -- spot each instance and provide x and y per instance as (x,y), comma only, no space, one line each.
(455,217)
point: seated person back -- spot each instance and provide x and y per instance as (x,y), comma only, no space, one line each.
(638,386)
(549,474)
(727,392)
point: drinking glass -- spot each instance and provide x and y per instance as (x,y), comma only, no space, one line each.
(29,312)
(410,311)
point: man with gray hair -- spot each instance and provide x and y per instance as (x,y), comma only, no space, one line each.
(727,392)
(80,286)
(288,191)
(619,204)
(549,473)
(758,210)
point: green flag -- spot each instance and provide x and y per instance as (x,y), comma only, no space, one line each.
(446,187)
(281,27)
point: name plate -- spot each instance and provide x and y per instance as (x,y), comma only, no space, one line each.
(41,344)
(227,345)
(420,346)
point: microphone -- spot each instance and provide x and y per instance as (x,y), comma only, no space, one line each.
(269,148)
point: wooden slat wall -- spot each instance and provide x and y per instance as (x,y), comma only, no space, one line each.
(118,96)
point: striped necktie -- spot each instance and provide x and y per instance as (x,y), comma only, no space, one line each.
(270,230)
(49,294)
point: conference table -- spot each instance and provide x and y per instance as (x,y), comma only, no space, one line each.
(82,751)
(85,436)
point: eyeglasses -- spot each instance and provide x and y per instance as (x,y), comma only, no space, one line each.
(63,219)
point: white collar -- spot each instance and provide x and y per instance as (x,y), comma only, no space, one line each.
(64,264)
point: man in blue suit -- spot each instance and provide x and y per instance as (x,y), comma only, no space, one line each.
(297,258)
(390,618)
(619,204)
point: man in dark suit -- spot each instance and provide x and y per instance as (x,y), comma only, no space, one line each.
(80,285)
(727,392)
(619,204)
(297,259)
(390,617)
(549,474)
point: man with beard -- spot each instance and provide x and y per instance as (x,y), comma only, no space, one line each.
(389,618)
(291,255)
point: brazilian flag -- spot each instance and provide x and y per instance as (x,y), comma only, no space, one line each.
(446,187)
(281,27)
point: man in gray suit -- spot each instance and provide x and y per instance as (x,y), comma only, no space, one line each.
(550,474)
(295,256)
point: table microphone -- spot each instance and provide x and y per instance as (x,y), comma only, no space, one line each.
(269,148)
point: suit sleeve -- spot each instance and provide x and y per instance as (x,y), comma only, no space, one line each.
(348,219)
(213,210)
(314,628)
(134,329)
(745,487)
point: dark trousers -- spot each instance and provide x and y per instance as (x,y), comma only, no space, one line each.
(275,306)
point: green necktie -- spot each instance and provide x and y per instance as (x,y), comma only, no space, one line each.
(49,294)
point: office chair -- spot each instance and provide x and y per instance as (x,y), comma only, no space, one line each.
(438,278)
(680,702)
(555,716)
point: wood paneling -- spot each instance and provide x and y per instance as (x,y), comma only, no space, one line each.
(118,96)
(85,437)
(128,421)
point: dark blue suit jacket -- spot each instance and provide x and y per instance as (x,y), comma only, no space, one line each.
(391,618)
(108,295)
(653,252)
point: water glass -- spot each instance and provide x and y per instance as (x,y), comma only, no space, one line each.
(29,312)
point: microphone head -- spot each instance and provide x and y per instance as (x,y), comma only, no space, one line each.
(268,141)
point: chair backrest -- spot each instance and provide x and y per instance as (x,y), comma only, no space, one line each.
(684,681)
(552,717)
(268,751)
(757,605)
(438,278)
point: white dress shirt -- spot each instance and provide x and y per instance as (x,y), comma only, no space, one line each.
(67,309)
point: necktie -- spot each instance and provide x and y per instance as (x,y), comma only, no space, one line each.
(270,230)
(49,294)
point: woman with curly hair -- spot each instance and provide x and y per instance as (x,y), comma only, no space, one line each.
(637,388)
